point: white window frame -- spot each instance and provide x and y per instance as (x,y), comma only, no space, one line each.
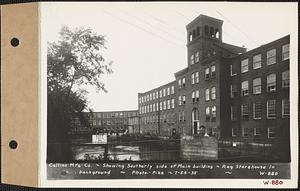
(179,100)
(214,113)
(245,65)
(207,94)
(254,111)
(192,59)
(197,57)
(207,73)
(283,57)
(197,95)
(255,62)
(255,92)
(271,57)
(270,84)
(245,90)
(193,78)
(284,115)
(271,117)
(197,77)
(213,71)
(172,90)
(284,84)
(193,97)
(183,100)
(213,93)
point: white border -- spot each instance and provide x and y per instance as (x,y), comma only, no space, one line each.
(169,183)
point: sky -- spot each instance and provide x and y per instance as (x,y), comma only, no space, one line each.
(147,41)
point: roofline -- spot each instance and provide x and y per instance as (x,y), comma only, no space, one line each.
(201,16)
(174,81)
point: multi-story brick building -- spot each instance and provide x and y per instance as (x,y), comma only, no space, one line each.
(157,111)
(113,122)
(224,90)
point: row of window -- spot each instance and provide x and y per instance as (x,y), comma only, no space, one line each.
(164,105)
(169,118)
(257,132)
(210,72)
(271,84)
(111,115)
(257,59)
(208,31)
(257,109)
(161,93)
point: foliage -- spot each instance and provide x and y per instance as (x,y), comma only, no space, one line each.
(74,61)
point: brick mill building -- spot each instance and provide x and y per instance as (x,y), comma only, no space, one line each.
(224,91)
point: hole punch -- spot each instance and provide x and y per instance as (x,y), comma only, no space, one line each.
(15,42)
(13,144)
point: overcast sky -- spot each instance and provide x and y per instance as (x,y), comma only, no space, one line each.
(147,41)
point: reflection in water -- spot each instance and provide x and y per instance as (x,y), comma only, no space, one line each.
(132,151)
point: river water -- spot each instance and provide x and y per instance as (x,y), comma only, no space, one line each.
(136,150)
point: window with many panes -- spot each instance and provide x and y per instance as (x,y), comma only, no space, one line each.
(286,79)
(213,93)
(193,78)
(245,88)
(169,104)
(172,90)
(197,77)
(197,57)
(245,111)
(257,111)
(207,113)
(213,71)
(179,83)
(168,91)
(257,86)
(179,100)
(207,95)
(257,61)
(244,65)
(271,109)
(160,93)
(173,103)
(285,51)
(285,108)
(213,113)
(233,113)
(206,73)
(192,59)
(271,57)
(271,82)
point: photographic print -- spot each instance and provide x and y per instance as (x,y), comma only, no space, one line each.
(169,91)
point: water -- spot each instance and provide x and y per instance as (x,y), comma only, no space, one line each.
(124,150)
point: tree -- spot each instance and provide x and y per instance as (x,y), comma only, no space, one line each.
(74,61)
